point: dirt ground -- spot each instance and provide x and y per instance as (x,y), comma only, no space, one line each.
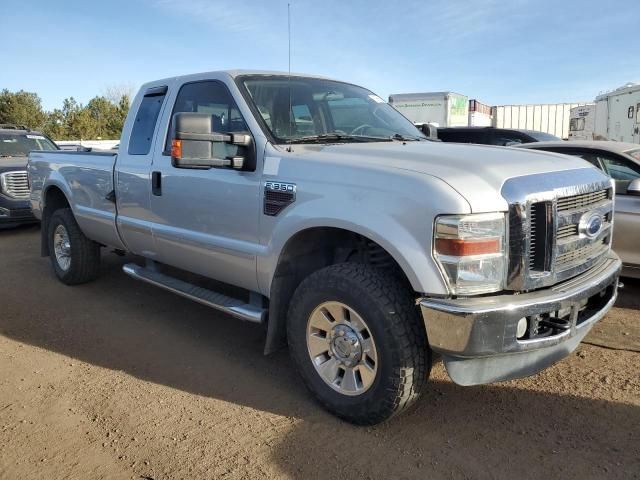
(117,379)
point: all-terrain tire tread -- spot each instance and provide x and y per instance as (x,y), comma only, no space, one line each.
(411,360)
(85,253)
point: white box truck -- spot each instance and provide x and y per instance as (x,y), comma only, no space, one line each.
(552,118)
(582,122)
(617,114)
(442,109)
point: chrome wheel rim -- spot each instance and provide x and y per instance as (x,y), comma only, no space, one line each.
(342,348)
(62,247)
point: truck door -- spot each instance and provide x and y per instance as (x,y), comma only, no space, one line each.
(206,221)
(132,173)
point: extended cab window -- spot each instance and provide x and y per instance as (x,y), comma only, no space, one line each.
(145,122)
(210,97)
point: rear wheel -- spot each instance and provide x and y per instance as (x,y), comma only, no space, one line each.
(75,259)
(358,341)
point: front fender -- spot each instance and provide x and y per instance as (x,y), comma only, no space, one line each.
(396,213)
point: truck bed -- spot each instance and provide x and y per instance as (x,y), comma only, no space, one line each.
(86,179)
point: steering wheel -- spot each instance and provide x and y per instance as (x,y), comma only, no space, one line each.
(359,130)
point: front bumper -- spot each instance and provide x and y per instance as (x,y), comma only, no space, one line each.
(15,212)
(477,336)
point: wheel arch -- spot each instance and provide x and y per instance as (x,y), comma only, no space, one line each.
(313,248)
(53,198)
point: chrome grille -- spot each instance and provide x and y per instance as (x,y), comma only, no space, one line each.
(574,250)
(533,219)
(581,201)
(539,236)
(569,258)
(15,185)
(567,231)
(550,216)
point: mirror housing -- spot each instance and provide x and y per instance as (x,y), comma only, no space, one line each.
(634,187)
(193,144)
(430,131)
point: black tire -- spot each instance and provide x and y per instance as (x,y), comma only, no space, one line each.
(389,309)
(84,253)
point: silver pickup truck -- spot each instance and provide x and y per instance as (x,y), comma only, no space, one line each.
(335,223)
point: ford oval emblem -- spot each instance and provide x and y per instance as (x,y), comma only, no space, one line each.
(591,224)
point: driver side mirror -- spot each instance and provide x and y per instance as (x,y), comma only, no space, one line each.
(196,144)
(634,187)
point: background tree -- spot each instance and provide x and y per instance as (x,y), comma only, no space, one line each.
(115,92)
(102,118)
(22,108)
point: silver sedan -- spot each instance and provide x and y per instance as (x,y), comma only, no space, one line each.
(621,161)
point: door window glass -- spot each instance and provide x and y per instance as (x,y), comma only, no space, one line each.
(620,169)
(211,97)
(591,158)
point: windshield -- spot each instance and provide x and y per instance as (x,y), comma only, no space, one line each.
(302,109)
(542,136)
(20,144)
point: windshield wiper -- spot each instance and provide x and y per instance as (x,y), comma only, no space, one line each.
(405,138)
(331,137)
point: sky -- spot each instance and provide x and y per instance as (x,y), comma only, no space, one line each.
(499,52)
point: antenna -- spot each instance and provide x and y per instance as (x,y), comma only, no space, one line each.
(289,77)
(289,32)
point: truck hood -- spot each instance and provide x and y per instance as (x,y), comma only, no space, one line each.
(477,172)
(12,163)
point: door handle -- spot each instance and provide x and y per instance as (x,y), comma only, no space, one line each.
(156,183)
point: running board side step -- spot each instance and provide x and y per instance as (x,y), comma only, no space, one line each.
(232,306)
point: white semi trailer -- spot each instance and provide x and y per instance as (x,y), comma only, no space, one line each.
(616,116)
(480,115)
(442,109)
(551,118)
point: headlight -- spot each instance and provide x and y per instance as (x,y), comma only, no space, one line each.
(471,253)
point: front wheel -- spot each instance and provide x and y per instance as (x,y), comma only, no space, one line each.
(358,341)
(75,258)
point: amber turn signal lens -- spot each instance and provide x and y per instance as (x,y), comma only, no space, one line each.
(461,248)
(176,148)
